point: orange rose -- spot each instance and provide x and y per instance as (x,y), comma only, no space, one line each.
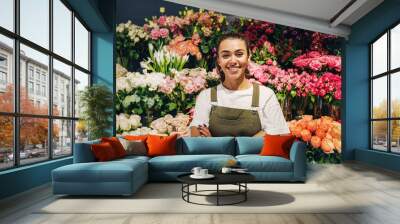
(324,126)
(335,132)
(327,118)
(292,125)
(307,117)
(302,124)
(315,141)
(312,126)
(320,133)
(327,145)
(305,135)
(338,144)
(328,136)
(297,131)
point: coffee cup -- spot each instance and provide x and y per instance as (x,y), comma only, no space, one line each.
(196,171)
(203,172)
(226,170)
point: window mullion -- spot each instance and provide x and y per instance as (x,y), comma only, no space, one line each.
(16,70)
(73,82)
(50,81)
(389,106)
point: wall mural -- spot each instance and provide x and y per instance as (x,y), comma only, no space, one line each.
(164,64)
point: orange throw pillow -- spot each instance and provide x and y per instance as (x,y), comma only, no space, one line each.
(136,137)
(116,145)
(103,152)
(277,145)
(161,145)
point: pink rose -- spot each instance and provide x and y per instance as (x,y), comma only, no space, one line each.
(164,32)
(162,20)
(155,34)
(338,95)
(315,65)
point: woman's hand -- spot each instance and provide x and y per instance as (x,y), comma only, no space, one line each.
(204,131)
(200,131)
(259,134)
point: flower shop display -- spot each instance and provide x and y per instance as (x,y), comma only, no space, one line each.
(164,64)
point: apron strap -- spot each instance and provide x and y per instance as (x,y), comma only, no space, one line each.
(214,94)
(256,93)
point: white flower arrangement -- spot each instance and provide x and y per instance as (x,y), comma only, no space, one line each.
(134,80)
(127,122)
(169,124)
(135,33)
(140,131)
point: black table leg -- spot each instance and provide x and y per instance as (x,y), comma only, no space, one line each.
(245,193)
(217,194)
(196,188)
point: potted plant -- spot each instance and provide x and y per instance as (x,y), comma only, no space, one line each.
(96,102)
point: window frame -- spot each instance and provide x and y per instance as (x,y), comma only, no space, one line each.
(16,114)
(388,74)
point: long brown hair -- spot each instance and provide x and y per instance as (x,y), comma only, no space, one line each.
(230,36)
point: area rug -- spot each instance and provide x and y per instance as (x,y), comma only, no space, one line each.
(167,198)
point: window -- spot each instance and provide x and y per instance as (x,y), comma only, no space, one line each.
(30,72)
(30,87)
(41,83)
(7,14)
(385,96)
(3,71)
(38,89)
(6,73)
(44,91)
(3,61)
(37,74)
(81,45)
(34,21)
(3,78)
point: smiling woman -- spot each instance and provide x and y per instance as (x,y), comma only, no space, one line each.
(236,107)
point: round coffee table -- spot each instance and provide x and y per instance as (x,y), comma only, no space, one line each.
(238,179)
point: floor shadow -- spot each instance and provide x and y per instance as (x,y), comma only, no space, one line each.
(255,198)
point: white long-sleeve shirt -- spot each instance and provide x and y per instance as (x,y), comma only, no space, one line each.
(270,113)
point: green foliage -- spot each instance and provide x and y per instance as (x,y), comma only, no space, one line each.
(97,102)
(318,156)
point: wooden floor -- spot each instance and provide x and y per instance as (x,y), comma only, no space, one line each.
(377,188)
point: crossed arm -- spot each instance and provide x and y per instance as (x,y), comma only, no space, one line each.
(203,131)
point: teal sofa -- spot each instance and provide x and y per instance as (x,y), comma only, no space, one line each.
(125,176)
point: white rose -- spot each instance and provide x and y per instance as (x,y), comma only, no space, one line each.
(135,121)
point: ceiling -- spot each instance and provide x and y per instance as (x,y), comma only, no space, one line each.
(326,16)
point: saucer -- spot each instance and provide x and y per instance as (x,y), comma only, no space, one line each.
(208,176)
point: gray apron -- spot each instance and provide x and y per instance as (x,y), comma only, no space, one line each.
(226,121)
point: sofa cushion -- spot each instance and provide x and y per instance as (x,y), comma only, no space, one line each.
(103,152)
(116,145)
(111,171)
(185,163)
(161,145)
(134,147)
(83,152)
(208,145)
(249,145)
(277,145)
(257,163)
